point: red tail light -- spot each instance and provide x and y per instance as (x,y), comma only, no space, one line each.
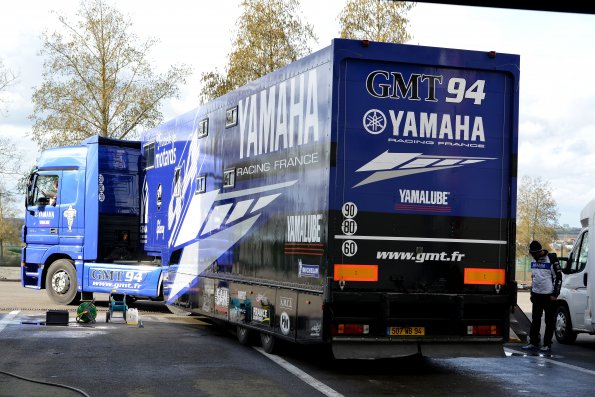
(494,330)
(351,329)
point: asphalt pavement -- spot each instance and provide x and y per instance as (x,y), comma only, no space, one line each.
(174,355)
(180,356)
(10,273)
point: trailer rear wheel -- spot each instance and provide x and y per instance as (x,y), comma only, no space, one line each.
(244,335)
(60,283)
(564,331)
(270,344)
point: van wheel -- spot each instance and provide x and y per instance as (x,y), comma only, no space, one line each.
(564,332)
(60,283)
(244,335)
(269,343)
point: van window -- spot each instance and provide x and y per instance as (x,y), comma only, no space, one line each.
(579,257)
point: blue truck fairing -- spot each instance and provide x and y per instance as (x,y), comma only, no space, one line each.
(63,158)
(113,171)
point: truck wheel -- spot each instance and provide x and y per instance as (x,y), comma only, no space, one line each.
(564,332)
(269,343)
(60,283)
(244,335)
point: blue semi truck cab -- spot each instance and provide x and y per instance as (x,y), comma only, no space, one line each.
(83,223)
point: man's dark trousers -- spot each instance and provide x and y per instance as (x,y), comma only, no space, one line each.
(542,303)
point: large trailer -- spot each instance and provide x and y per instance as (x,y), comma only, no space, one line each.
(363,196)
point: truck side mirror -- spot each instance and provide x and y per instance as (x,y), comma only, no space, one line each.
(569,262)
(29,199)
(585,279)
(43,201)
(30,187)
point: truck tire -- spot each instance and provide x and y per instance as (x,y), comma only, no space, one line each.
(130,300)
(244,335)
(60,283)
(564,332)
(269,343)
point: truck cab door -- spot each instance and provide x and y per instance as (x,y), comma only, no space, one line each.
(574,282)
(71,207)
(43,215)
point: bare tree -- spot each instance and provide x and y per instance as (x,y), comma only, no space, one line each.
(10,158)
(377,20)
(97,80)
(537,213)
(7,77)
(270,34)
(9,226)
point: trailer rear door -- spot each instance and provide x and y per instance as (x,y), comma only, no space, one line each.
(425,173)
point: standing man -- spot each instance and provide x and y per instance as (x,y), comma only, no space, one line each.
(546,281)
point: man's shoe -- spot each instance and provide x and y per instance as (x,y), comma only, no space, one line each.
(530,346)
(545,349)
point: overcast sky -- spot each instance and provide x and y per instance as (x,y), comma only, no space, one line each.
(557,107)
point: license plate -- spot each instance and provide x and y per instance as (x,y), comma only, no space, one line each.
(406,331)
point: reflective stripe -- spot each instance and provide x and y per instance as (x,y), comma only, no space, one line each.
(356,272)
(484,276)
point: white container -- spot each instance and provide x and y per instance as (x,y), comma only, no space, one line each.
(132,316)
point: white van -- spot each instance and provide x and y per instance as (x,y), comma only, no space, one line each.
(574,313)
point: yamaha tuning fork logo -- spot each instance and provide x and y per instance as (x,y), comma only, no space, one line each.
(374,121)
(426,128)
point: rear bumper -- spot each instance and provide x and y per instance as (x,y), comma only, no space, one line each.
(450,322)
(359,348)
(418,309)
